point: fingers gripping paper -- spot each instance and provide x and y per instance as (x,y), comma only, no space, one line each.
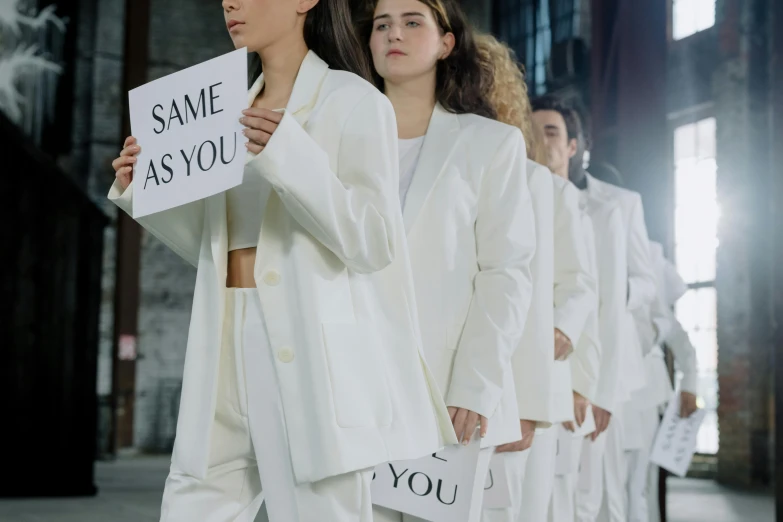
(187,125)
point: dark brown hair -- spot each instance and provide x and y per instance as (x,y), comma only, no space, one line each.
(464,77)
(572,120)
(329,33)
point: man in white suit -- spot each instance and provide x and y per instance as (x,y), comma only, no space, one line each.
(532,362)
(548,114)
(573,297)
(589,369)
(663,328)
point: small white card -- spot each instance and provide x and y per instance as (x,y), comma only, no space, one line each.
(564,456)
(187,125)
(589,471)
(497,491)
(437,488)
(676,440)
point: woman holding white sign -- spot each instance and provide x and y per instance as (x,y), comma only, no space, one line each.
(304,367)
(467,213)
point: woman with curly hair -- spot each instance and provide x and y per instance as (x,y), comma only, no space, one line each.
(467,213)
(571,280)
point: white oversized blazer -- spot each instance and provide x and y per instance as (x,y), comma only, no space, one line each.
(611,250)
(534,359)
(334,282)
(668,330)
(586,359)
(575,293)
(641,276)
(471,237)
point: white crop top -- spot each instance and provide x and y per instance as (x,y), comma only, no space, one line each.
(245,205)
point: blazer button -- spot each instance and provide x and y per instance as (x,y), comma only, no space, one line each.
(272,278)
(285,355)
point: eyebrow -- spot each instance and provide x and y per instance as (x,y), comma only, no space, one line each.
(552,127)
(413,13)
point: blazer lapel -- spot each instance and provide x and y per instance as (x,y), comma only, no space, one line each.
(307,85)
(218,230)
(438,144)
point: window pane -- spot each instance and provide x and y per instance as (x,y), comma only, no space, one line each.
(697,312)
(696,211)
(685,143)
(691,16)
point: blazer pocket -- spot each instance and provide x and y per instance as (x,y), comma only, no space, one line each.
(359,388)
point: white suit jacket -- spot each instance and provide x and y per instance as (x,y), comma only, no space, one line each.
(641,276)
(574,289)
(611,250)
(586,359)
(471,235)
(334,282)
(670,288)
(533,360)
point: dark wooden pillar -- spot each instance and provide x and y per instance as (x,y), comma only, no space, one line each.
(643,148)
(776,168)
(126,296)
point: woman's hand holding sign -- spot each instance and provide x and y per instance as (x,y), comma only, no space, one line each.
(465,422)
(261,124)
(123,166)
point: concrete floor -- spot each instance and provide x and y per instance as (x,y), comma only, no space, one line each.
(130,491)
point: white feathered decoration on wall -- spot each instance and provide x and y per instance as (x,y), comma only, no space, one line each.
(28,74)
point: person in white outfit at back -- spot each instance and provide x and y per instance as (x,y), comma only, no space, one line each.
(468,216)
(663,329)
(534,361)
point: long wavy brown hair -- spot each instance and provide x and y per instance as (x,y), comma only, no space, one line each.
(508,93)
(464,77)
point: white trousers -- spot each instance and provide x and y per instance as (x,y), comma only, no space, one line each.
(250,462)
(382,514)
(601,495)
(562,507)
(539,477)
(643,476)
(516,465)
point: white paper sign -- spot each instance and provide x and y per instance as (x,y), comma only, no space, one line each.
(497,490)
(589,470)
(187,125)
(436,488)
(675,443)
(565,451)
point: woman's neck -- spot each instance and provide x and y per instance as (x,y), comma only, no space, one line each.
(413,103)
(281,64)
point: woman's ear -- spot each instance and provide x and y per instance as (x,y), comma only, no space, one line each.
(447,41)
(303,6)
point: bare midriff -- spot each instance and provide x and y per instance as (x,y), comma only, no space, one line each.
(241,264)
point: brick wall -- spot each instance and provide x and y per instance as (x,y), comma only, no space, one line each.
(745,255)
